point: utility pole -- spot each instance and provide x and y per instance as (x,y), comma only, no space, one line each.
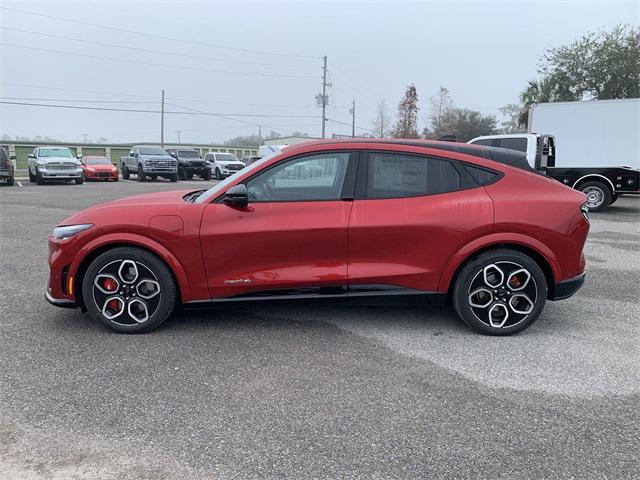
(259,133)
(179,132)
(324,94)
(84,135)
(353,118)
(162,121)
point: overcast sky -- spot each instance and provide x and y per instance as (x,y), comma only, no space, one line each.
(483,52)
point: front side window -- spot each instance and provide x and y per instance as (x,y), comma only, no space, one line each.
(310,178)
(398,176)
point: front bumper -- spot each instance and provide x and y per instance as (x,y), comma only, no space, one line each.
(567,288)
(60,174)
(60,302)
(100,175)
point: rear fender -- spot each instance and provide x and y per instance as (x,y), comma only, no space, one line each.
(495,240)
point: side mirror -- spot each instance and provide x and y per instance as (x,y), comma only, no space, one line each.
(135,155)
(237,196)
(31,155)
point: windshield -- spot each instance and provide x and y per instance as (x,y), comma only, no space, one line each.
(97,161)
(188,154)
(218,188)
(226,157)
(55,152)
(152,151)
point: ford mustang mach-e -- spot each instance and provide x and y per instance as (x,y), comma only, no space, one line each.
(432,222)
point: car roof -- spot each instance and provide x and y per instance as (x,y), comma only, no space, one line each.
(501,155)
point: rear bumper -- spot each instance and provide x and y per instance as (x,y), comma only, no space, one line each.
(567,288)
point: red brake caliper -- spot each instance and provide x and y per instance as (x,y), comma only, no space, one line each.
(109,284)
(515,282)
(114,305)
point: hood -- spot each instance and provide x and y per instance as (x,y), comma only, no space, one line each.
(131,208)
(230,162)
(101,168)
(156,157)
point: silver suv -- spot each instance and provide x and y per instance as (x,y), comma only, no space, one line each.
(54,163)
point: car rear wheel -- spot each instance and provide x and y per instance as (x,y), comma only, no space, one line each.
(500,292)
(207,174)
(130,290)
(599,195)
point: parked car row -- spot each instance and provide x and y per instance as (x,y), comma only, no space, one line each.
(145,162)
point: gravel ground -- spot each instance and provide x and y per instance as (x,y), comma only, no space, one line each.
(315,391)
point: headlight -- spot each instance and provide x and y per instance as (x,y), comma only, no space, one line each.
(91,170)
(67,231)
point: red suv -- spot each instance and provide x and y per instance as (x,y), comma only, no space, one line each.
(419,220)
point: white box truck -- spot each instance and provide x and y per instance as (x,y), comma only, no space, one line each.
(592,146)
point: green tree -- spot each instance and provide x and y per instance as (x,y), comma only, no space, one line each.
(407,122)
(599,65)
(511,124)
(244,141)
(466,124)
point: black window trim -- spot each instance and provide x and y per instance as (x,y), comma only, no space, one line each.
(363,173)
(350,177)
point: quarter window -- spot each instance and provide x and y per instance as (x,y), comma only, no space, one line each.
(519,144)
(310,178)
(398,176)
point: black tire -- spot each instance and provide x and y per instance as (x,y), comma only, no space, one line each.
(153,177)
(125,172)
(614,197)
(218,175)
(207,174)
(499,308)
(79,181)
(10,182)
(39,179)
(189,175)
(173,177)
(599,195)
(181,173)
(127,296)
(141,175)
(32,177)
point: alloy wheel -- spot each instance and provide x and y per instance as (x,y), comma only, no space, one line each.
(502,294)
(126,292)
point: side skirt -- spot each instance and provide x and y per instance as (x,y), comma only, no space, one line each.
(355,294)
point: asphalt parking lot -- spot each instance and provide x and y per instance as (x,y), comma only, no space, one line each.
(312,391)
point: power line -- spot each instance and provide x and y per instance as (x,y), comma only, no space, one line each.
(134,110)
(139,62)
(74,100)
(163,52)
(160,37)
(349,125)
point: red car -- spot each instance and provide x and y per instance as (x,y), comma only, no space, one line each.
(99,168)
(426,221)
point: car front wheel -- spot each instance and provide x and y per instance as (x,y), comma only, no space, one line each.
(500,292)
(130,290)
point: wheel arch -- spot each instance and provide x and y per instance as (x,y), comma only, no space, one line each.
(538,253)
(94,249)
(594,177)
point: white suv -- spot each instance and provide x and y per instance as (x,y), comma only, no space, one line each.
(223,164)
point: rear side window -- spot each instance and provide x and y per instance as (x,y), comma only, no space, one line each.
(519,144)
(397,176)
(482,176)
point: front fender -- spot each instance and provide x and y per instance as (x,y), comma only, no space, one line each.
(123,239)
(496,239)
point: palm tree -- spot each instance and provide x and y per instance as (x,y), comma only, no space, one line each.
(549,89)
